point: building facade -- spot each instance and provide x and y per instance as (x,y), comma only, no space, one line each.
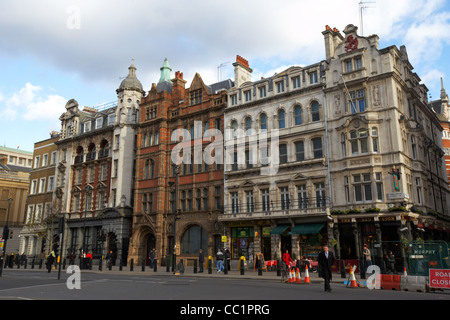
(15,166)
(95,173)
(441,107)
(176,126)
(358,150)
(37,235)
(386,159)
(276,186)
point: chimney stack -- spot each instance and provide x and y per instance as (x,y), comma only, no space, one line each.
(242,71)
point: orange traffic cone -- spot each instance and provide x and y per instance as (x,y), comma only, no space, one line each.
(307,275)
(404,272)
(290,276)
(299,279)
(294,276)
(353,283)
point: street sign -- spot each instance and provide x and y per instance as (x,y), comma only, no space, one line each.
(440,278)
(224,238)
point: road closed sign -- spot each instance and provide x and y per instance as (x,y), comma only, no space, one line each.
(440,278)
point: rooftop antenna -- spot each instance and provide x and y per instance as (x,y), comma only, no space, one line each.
(364,5)
(219,70)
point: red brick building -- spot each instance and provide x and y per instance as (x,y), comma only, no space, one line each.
(441,107)
(169,106)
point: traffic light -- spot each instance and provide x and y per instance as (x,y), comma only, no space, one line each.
(11,234)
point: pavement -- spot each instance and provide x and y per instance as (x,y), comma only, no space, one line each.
(189,272)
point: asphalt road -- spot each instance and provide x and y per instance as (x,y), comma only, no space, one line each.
(19,284)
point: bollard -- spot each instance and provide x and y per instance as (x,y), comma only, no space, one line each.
(278,268)
(155,265)
(343,275)
(209,266)
(259,267)
(225,269)
(242,267)
(100,264)
(143,265)
(195,266)
(131,264)
(40,264)
(120,265)
(167,264)
(362,270)
(25,265)
(32,262)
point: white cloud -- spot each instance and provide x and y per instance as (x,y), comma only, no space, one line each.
(197,36)
(29,105)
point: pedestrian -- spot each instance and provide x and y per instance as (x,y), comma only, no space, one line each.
(326,260)
(287,258)
(23,257)
(390,262)
(71,259)
(219,258)
(109,258)
(89,260)
(367,258)
(50,261)
(180,267)
(201,260)
(152,257)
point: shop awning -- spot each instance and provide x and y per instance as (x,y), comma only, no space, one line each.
(279,229)
(307,228)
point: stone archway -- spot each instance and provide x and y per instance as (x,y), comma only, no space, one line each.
(142,241)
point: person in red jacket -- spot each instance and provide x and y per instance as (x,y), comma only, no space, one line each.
(287,258)
(89,262)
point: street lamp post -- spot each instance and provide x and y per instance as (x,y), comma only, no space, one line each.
(175,218)
(5,237)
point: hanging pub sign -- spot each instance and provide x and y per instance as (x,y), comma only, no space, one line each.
(396,176)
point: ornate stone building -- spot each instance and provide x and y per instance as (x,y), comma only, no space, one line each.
(276,182)
(386,159)
(95,172)
(358,154)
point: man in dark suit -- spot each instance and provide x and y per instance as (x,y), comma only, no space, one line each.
(326,260)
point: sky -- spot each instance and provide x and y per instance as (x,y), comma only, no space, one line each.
(52,51)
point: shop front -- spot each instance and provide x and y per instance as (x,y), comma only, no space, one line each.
(242,242)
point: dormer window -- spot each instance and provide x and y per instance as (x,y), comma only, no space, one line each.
(296,82)
(233,99)
(313,77)
(248,96)
(280,87)
(87,126)
(262,92)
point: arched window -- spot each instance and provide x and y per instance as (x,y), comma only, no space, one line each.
(263,121)
(315,111)
(298,115)
(248,124)
(147,169)
(194,239)
(281,119)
